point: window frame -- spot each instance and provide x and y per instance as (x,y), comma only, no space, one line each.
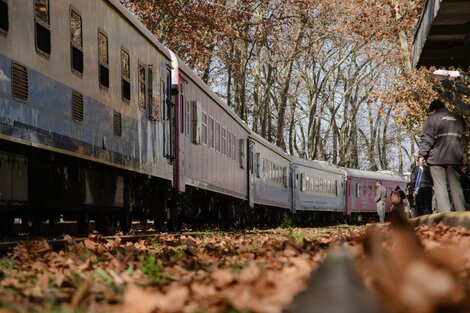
(4,32)
(45,24)
(73,45)
(124,77)
(141,82)
(204,128)
(105,65)
(211,132)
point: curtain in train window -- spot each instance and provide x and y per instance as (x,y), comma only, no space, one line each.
(125,76)
(142,86)
(103,60)
(76,42)
(258,164)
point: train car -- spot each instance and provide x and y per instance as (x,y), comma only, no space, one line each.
(85,112)
(211,147)
(360,192)
(269,179)
(318,191)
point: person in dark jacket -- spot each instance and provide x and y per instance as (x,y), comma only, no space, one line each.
(441,146)
(401,194)
(423,192)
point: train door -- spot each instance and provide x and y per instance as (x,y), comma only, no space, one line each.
(250,170)
(178,84)
(168,119)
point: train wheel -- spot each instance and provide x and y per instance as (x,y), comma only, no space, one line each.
(102,223)
(6,224)
(34,224)
(173,223)
(125,220)
(83,225)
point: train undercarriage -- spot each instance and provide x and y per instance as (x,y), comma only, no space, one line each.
(38,186)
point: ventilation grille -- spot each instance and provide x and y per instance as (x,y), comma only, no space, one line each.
(19,84)
(77,106)
(117,122)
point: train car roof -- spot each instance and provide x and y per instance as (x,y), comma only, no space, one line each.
(198,81)
(374,175)
(269,145)
(134,21)
(320,165)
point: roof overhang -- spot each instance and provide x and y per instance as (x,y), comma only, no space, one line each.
(442,35)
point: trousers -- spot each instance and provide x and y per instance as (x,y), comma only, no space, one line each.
(381,210)
(441,176)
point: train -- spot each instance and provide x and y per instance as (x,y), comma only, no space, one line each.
(101,122)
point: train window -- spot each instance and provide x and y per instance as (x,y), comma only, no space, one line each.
(242,153)
(76,43)
(103,60)
(217,136)
(197,116)
(19,82)
(336,189)
(117,124)
(223,141)
(211,132)
(237,149)
(258,164)
(204,128)
(301,184)
(155,104)
(188,114)
(358,190)
(234,148)
(77,106)
(229,144)
(149,89)
(4,23)
(284,176)
(42,27)
(125,75)
(163,95)
(142,86)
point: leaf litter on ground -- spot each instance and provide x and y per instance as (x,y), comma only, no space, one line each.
(410,270)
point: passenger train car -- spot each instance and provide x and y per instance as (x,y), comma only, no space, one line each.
(99,121)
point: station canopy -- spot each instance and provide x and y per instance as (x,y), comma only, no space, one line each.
(442,37)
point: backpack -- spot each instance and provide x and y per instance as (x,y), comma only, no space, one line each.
(395,197)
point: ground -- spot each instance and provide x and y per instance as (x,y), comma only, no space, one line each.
(256,271)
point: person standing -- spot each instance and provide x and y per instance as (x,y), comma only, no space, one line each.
(380,199)
(423,192)
(397,198)
(442,149)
